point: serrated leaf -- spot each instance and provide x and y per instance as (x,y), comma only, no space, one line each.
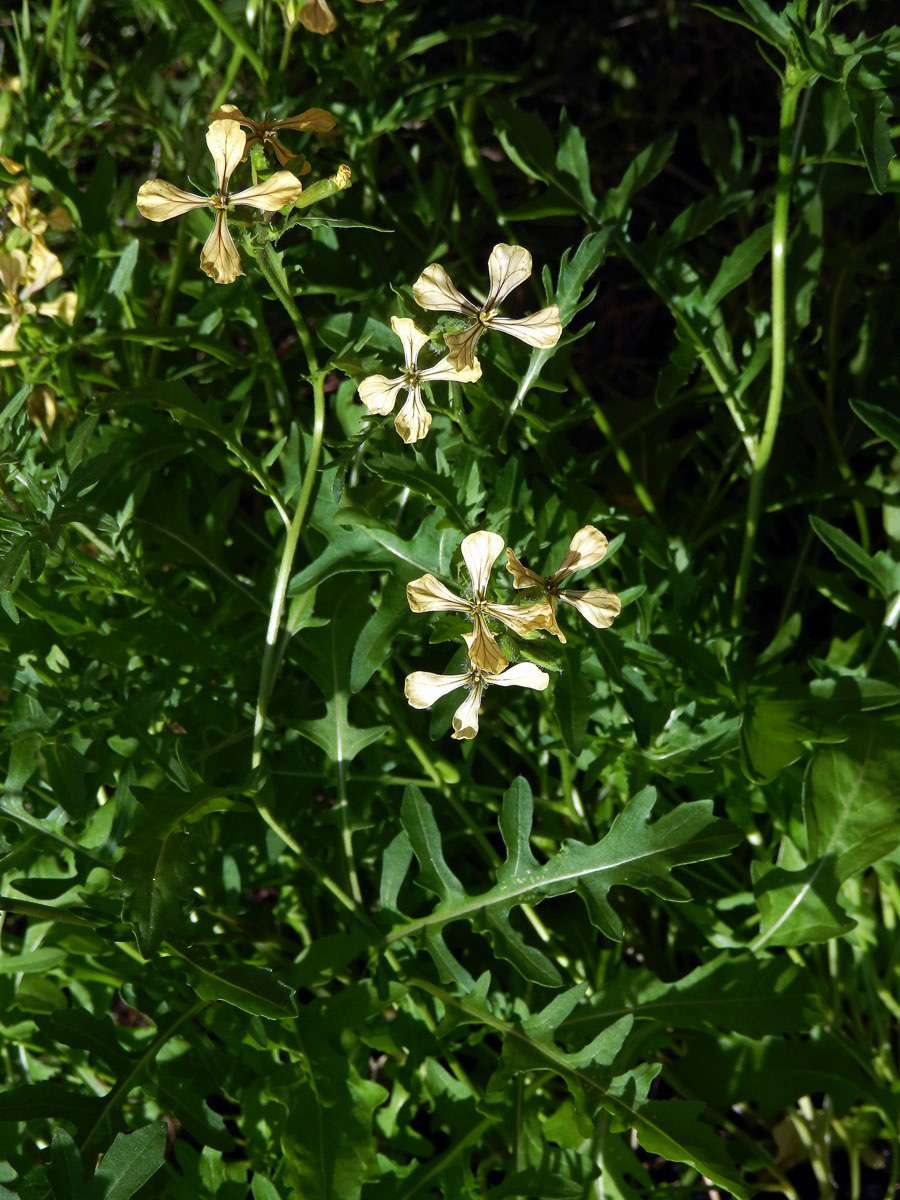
(880,571)
(642,171)
(635,853)
(737,267)
(869,109)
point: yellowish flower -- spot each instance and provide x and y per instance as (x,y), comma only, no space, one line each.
(32,220)
(598,606)
(379,394)
(423,688)
(21,277)
(508,267)
(315,120)
(316,15)
(10,164)
(160,201)
(480,551)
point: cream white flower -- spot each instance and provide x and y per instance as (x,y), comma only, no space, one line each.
(598,606)
(160,201)
(315,120)
(422,689)
(23,276)
(508,267)
(480,551)
(30,219)
(379,394)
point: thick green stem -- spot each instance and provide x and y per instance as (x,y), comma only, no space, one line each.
(793,88)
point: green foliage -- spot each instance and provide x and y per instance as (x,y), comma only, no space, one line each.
(267,929)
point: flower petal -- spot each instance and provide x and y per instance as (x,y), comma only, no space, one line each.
(13,265)
(523,577)
(540,329)
(231,112)
(465,719)
(424,688)
(219,257)
(522,674)
(435,289)
(279,189)
(18,199)
(379,394)
(480,551)
(43,267)
(59,219)
(508,267)
(461,346)
(524,618)
(411,338)
(282,153)
(160,201)
(227,143)
(9,340)
(484,652)
(317,17)
(428,594)
(599,607)
(413,420)
(10,164)
(445,370)
(315,119)
(63,307)
(586,549)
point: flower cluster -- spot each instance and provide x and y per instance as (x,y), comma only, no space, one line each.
(229,146)
(508,267)
(487,664)
(28,265)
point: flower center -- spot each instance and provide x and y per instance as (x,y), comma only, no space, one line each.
(412,378)
(486,315)
(219,200)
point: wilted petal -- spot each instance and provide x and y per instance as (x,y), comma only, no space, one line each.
(434,289)
(11,165)
(18,199)
(43,267)
(227,143)
(219,257)
(428,594)
(508,267)
(586,549)
(160,201)
(316,120)
(424,688)
(465,719)
(13,265)
(413,420)
(9,340)
(480,551)
(523,674)
(523,577)
(598,606)
(63,307)
(280,189)
(59,219)
(317,17)
(540,329)
(282,153)
(446,370)
(411,338)
(483,649)
(461,346)
(379,394)
(524,618)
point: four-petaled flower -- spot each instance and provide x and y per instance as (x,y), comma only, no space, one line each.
(378,393)
(159,201)
(586,548)
(480,551)
(508,267)
(316,120)
(21,277)
(423,688)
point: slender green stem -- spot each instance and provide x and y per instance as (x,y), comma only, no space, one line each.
(792,90)
(237,40)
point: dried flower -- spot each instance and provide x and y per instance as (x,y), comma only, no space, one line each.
(422,689)
(265,132)
(480,551)
(508,267)
(598,606)
(23,276)
(160,201)
(379,394)
(316,15)
(30,219)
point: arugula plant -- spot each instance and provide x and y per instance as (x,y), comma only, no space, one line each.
(528,347)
